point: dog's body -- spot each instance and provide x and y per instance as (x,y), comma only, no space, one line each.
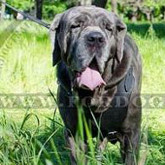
(100,63)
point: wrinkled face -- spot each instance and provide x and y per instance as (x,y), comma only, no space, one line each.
(87,39)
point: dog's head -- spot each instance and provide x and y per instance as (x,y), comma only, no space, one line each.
(86,38)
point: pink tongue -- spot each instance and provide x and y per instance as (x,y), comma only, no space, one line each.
(90,78)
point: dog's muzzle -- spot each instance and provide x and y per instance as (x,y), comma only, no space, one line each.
(90,78)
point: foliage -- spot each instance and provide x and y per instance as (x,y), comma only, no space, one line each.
(52,7)
(142,10)
(130,9)
(24,5)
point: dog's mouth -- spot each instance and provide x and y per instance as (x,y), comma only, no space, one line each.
(90,78)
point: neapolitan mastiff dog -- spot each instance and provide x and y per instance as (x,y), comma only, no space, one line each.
(98,62)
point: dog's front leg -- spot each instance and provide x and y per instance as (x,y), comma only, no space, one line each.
(100,150)
(130,148)
(73,147)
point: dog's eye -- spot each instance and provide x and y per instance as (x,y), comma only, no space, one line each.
(109,28)
(75,26)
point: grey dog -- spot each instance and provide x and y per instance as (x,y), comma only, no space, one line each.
(98,62)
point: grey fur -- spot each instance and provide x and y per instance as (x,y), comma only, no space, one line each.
(119,63)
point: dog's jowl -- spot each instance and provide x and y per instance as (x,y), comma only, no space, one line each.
(99,64)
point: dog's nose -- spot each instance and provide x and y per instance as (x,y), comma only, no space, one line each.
(95,38)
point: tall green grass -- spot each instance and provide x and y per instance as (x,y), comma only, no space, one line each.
(36,136)
(27,59)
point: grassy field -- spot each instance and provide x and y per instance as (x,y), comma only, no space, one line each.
(35,136)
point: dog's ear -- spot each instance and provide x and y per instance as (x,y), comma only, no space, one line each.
(56,53)
(121,30)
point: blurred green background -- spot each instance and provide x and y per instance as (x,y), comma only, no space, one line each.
(140,10)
